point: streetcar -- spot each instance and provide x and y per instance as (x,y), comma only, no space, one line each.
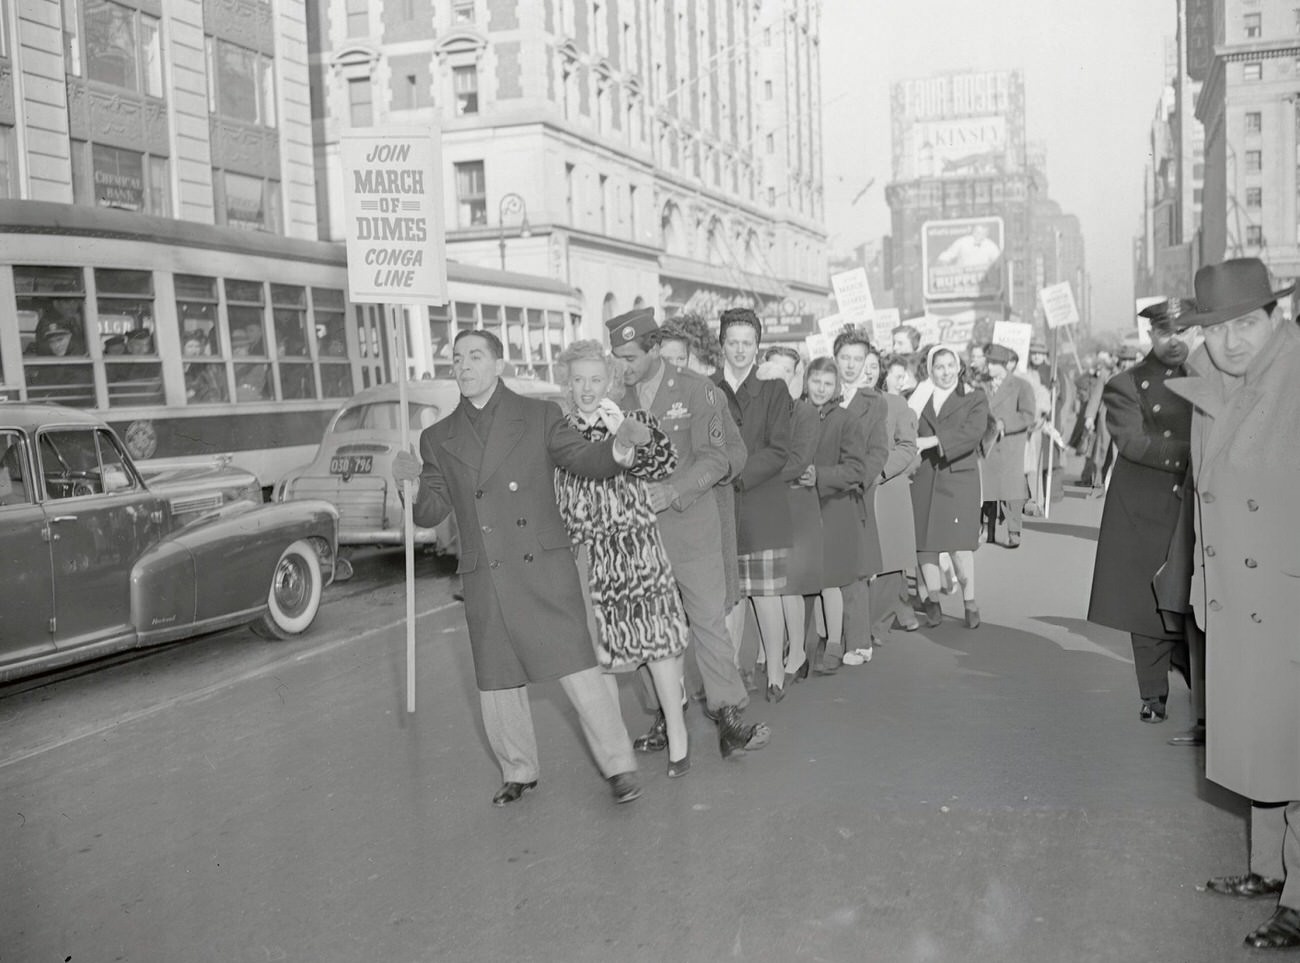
(199,343)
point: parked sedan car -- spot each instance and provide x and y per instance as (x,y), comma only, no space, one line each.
(353,466)
(95,559)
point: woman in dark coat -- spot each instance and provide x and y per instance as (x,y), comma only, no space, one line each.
(763,530)
(946,500)
(837,474)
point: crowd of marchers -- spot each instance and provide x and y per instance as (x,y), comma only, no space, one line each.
(693,484)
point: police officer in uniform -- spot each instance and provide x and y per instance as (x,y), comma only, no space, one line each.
(689,408)
(1151,427)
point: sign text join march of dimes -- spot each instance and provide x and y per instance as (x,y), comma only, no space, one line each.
(393,202)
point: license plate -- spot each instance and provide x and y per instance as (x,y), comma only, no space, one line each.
(351,464)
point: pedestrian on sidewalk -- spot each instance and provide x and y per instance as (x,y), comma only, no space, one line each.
(689,408)
(492,461)
(1152,429)
(1014,412)
(639,620)
(1245,444)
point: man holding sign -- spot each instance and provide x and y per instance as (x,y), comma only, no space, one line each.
(492,461)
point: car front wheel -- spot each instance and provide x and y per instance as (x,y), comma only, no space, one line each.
(294,598)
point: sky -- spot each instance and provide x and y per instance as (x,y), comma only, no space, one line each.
(1093,74)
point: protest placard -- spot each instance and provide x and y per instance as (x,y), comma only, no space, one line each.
(392,201)
(818,345)
(883,323)
(1015,335)
(1058,304)
(853,295)
(831,326)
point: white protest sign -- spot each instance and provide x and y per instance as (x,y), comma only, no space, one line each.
(1015,335)
(818,345)
(927,326)
(1058,304)
(833,325)
(956,330)
(883,323)
(392,201)
(853,295)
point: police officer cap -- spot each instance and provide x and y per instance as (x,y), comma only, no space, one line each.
(1168,312)
(1000,354)
(139,334)
(56,329)
(626,328)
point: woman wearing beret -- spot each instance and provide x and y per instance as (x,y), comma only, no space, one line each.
(952,421)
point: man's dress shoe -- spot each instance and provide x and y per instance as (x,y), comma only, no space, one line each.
(625,787)
(1248,886)
(1281,932)
(512,791)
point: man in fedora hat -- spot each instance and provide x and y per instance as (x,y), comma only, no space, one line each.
(1151,427)
(1245,447)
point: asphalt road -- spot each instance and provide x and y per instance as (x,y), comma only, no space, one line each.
(967,796)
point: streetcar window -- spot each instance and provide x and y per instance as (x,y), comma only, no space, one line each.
(51,305)
(292,340)
(124,300)
(245,312)
(440,336)
(196,314)
(536,336)
(514,334)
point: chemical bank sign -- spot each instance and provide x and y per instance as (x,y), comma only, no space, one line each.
(393,205)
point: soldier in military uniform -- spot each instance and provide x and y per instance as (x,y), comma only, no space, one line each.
(1151,427)
(687,407)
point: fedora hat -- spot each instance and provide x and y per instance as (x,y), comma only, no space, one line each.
(1231,289)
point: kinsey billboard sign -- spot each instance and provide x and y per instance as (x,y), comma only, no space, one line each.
(963,258)
(956,125)
(393,204)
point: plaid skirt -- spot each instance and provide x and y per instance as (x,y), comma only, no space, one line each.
(763,572)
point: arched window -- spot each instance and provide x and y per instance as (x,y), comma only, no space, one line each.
(638,302)
(609,308)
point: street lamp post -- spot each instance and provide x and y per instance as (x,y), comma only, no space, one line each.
(511,204)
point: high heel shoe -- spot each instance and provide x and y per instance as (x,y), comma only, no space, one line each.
(680,767)
(820,665)
(972,615)
(801,673)
(933,613)
(775,693)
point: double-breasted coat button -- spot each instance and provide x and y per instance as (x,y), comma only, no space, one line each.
(1251,563)
(1209,550)
(513,486)
(528,556)
(1255,617)
(1252,505)
(479,493)
(521,522)
(1214,604)
(1155,407)
(1168,433)
(1146,385)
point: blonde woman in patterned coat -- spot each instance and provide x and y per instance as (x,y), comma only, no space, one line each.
(638,613)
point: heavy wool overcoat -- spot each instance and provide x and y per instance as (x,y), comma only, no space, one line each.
(946,495)
(870,408)
(841,467)
(761,410)
(893,494)
(1152,429)
(523,602)
(1003,470)
(1246,580)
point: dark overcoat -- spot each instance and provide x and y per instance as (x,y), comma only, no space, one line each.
(523,602)
(761,410)
(1151,427)
(894,491)
(841,471)
(946,498)
(872,410)
(804,574)
(1003,469)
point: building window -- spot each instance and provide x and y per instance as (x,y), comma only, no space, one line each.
(247,202)
(771,197)
(1254,161)
(361,109)
(1254,122)
(1254,70)
(1296,14)
(471,194)
(1198,172)
(771,143)
(1254,235)
(767,90)
(462,11)
(4,28)
(465,84)
(123,47)
(8,161)
(241,83)
(634,226)
(1197,194)
(358,18)
(604,204)
(1252,25)
(597,28)
(1254,197)
(411,91)
(129,180)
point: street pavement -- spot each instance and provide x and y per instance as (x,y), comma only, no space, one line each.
(983,795)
